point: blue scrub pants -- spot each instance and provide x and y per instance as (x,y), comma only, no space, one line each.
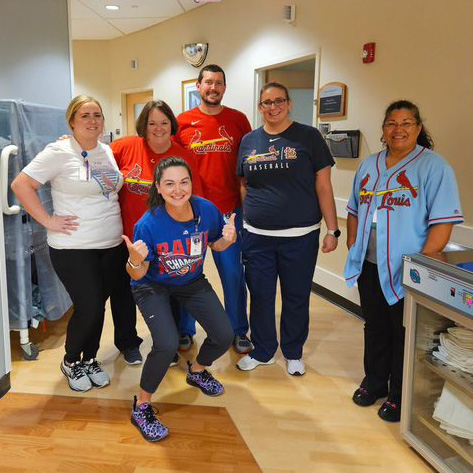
(293,260)
(230,270)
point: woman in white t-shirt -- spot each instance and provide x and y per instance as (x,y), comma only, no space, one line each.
(84,232)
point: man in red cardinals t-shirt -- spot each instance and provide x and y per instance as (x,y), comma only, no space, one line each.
(213,133)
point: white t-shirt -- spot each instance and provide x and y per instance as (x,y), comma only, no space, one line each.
(83,186)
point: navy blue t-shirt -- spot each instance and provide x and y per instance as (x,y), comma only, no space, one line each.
(280,175)
(169,242)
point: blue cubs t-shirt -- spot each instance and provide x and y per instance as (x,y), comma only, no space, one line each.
(280,176)
(169,242)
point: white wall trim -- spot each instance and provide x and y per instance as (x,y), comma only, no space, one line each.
(336,283)
(341,205)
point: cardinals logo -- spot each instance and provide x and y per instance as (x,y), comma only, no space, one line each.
(364,181)
(135,184)
(404,181)
(223,143)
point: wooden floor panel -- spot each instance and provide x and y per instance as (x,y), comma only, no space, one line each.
(48,433)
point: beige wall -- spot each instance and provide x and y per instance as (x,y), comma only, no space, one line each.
(424,52)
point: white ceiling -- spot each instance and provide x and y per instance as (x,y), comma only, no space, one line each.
(90,20)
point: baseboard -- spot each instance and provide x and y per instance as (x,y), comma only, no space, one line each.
(5,384)
(337,299)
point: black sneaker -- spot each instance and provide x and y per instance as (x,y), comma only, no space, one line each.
(242,344)
(205,381)
(390,411)
(362,397)
(144,417)
(132,356)
(185,341)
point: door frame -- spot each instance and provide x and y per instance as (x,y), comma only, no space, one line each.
(285,61)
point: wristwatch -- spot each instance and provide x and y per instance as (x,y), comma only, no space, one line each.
(336,233)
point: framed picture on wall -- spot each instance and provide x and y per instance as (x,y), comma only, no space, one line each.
(190,94)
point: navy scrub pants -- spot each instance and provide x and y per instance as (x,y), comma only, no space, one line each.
(384,337)
(293,260)
(230,270)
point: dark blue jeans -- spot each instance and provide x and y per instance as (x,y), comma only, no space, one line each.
(198,297)
(293,260)
(230,270)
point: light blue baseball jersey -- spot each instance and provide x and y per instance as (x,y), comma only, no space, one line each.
(417,192)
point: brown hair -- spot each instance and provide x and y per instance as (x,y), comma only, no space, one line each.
(276,85)
(211,68)
(142,121)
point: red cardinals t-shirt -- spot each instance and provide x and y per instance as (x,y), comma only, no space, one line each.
(214,141)
(136,161)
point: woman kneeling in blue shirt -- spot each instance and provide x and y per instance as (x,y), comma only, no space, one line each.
(166,259)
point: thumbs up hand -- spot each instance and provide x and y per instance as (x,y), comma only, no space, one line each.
(229,231)
(138,250)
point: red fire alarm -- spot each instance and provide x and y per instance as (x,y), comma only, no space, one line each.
(368,52)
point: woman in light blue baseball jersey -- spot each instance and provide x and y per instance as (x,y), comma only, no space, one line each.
(404,200)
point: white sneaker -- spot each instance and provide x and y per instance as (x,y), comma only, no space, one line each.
(76,376)
(247,363)
(97,375)
(295,367)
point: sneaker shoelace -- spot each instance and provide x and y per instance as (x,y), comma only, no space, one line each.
(391,404)
(150,414)
(77,370)
(94,367)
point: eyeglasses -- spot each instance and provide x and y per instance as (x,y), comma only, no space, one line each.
(268,103)
(403,125)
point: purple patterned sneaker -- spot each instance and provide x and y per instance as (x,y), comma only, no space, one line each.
(204,380)
(144,417)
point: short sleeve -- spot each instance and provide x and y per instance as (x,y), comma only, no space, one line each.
(46,165)
(442,197)
(320,154)
(215,231)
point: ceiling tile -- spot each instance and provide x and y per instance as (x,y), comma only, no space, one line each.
(131,25)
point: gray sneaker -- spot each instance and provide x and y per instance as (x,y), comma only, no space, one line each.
(76,376)
(97,375)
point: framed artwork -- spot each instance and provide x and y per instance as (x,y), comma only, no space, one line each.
(332,99)
(190,94)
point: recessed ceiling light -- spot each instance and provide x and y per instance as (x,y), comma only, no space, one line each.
(112,7)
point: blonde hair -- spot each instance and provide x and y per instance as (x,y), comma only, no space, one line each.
(77,103)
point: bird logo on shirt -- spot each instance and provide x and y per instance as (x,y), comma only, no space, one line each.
(404,181)
(221,144)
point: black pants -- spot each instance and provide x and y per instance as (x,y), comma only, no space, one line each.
(200,300)
(384,337)
(88,276)
(124,313)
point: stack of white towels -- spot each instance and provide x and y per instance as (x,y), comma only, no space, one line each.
(454,408)
(456,348)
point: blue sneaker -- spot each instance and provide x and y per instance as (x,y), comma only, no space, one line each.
(144,417)
(204,381)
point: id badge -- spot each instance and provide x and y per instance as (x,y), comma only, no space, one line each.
(196,244)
